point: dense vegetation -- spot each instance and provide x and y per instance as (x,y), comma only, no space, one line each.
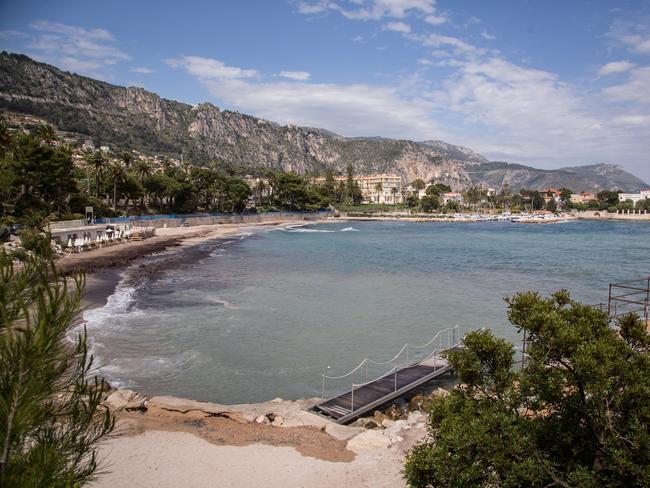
(576,415)
(51,416)
(40,176)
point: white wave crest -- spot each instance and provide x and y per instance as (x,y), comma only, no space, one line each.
(349,229)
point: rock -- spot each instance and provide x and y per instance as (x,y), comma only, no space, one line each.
(366,423)
(300,418)
(370,440)
(387,423)
(378,417)
(439,392)
(416,402)
(343,432)
(416,417)
(277,420)
(395,412)
(262,419)
(270,416)
(125,400)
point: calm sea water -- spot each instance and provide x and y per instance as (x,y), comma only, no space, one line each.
(254,318)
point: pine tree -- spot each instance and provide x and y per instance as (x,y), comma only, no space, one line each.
(51,416)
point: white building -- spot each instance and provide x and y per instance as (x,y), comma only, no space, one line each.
(635,197)
(452,196)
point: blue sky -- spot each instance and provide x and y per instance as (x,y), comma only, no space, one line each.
(544,82)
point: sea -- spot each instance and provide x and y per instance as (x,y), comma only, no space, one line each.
(267,313)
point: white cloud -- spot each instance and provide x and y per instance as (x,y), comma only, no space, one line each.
(371,9)
(358,39)
(12,34)
(295,75)
(86,51)
(206,68)
(358,109)
(436,19)
(616,67)
(397,27)
(438,40)
(633,36)
(141,70)
(633,120)
(635,89)
(488,36)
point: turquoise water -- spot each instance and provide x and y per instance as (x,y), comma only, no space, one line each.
(255,318)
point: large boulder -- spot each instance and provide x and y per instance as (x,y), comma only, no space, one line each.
(125,400)
(343,432)
(370,440)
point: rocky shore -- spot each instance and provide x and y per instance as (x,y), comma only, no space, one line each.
(291,445)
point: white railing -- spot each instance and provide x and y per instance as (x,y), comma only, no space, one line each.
(442,341)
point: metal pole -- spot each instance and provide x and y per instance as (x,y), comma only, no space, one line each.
(396,380)
(352,399)
(322,393)
(366,372)
(609,301)
(523,350)
(407,353)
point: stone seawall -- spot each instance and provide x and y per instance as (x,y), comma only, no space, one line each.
(228,219)
(604,215)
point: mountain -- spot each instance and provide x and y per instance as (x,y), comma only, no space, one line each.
(595,177)
(133,118)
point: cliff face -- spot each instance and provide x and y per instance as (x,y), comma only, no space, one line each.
(133,118)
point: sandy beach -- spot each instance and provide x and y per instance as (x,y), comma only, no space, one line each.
(173,442)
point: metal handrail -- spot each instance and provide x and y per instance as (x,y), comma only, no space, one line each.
(451,343)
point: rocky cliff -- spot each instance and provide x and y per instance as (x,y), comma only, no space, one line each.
(133,118)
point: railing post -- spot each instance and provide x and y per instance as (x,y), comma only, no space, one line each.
(395,380)
(352,399)
(322,393)
(454,336)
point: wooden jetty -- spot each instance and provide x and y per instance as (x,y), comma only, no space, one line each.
(401,379)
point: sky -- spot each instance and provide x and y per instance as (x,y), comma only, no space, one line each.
(543,82)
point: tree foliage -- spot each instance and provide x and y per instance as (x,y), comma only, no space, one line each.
(575,416)
(50,412)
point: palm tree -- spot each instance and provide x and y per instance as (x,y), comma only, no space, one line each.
(143,169)
(393,192)
(97,163)
(261,187)
(116,173)
(379,188)
(127,158)
(6,138)
(46,133)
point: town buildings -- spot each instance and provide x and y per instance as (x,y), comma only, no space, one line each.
(582,197)
(380,188)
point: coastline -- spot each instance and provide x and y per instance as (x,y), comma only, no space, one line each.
(166,441)
(169,442)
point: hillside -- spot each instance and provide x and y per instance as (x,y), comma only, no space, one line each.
(133,118)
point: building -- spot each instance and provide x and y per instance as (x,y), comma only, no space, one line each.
(583,197)
(380,188)
(635,197)
(452,196)
(551,194)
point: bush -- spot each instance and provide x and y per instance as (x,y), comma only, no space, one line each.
(35,241)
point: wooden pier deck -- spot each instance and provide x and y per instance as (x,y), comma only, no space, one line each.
(361,399)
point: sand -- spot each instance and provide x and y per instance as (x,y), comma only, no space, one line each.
(174,442)
(179,459)
(119,255)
